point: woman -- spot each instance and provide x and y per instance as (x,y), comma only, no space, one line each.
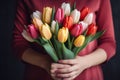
(86,66)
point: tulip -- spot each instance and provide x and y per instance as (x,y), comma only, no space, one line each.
(37,22)
(84,25)
(66,8)
(59,15)
(26,35)
(63,34)
(92,28)
(75,15)
(76,30)
(36,14)
(68,22)
(79,41)
(53,24)
(89,18)
(32,31)
(45,31)
(84,12)
(47,13)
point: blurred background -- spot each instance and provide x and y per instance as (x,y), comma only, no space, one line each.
(12,69)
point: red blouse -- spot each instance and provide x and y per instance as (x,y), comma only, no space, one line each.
(102,17)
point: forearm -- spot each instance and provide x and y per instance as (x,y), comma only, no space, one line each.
(96,57)
(32,57)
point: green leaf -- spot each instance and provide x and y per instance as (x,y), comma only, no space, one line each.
(53,14)
(49,49)
(88,39)
(73,7)
(56,28)
(97,35)
(58,47)
(67,54)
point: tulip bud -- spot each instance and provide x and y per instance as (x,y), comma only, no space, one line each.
(47,13)
(79,41)
(27,36)
(32,31)
(66,8)
(45,31)
(84,12)
(36,14)
(92,28)
(63,34)
(68,22)
(37,22)
(76,30)
(59,15)
(84,26)
(75,15)
(89,18)
(53,24)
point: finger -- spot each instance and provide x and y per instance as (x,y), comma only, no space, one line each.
(57,66)
(72,77)
(71,61)
(55,77)
(68,70)
(67,75)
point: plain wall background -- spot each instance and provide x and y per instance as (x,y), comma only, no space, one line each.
(12,69)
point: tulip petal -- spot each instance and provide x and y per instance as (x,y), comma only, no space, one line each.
(33,31)
(45,31)
(66,8)
(27,36)
(84,25)
(79,41)
(89,18)
(75,15)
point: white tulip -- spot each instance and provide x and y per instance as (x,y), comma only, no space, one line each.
(85,25)
(89,18)
(53,24)
(66,8)
(36,14)
(75,15)
(27,36)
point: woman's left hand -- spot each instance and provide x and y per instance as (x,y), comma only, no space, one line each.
(77,66)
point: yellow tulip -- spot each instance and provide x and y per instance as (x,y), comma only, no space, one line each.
(63,34)
(79,41)
(45,31)
(37,22)
(47,13)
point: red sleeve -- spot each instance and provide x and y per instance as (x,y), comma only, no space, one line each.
(19,43)
(104,22)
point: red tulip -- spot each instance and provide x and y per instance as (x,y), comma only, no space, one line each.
(84,12)
(59,15)
(92,29)
(76,30)
(68,22)
(32,31)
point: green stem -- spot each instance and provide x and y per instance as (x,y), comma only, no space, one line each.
(52,46)
(71,43)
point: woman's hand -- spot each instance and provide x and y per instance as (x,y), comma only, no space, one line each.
(69,69)
(55,67)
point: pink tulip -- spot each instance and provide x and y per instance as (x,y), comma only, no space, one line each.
(59,15)
(76,30)
(32,31)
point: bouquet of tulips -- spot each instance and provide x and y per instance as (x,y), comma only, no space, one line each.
(64,32)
